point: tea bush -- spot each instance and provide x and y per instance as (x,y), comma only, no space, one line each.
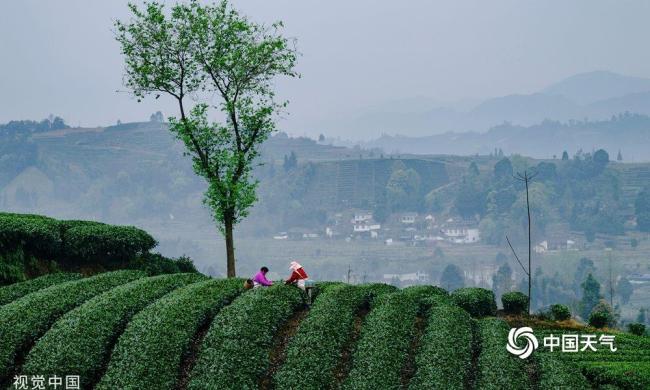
(627,375)
(497,368)
(106,244)
(314,351)
(71,244)
(478,302)
(556,374)
(23,321)
(374,290)
(444,360)
(149,352)
(514,302)
(385,341)
(80,342)
(235,351)
(636,329)
(156,264)
(560,312)
(599,319)
(18,290)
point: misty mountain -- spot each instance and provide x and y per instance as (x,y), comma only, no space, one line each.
(638,103)
(594,95)
(523,109)
(629,133)
(590,87)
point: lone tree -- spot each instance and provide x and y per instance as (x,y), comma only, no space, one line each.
(213,62)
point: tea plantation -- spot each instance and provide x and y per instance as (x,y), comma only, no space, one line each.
(128,330)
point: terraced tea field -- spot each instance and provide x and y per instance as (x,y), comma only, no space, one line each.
(125,330)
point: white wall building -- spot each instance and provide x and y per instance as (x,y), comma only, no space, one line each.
(462,235)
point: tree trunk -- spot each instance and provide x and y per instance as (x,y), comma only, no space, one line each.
(230,249)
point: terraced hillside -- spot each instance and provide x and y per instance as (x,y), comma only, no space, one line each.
(124,330)
(359,182)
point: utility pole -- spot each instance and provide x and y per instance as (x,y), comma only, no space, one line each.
(611,280)
(526,178)
(349,271)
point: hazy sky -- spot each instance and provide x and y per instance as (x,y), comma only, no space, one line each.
(60,56)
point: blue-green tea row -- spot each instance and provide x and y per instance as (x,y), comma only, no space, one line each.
(497,368)
(384,342)
(235,351)
(14,291)
(81,341)
(315,349)
(26,319)
(150,351)
(444,359)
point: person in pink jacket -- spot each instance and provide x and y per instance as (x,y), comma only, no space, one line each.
(260,279)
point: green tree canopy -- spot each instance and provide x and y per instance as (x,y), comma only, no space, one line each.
(403,190)
(195,53)
(502,281)
(503,168)
(590,296)
(452,277)
(642,210)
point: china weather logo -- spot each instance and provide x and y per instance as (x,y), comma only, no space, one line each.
(519,335)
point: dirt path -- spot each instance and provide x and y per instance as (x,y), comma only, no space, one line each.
(476,351)
(279,350)
(189,360)
(408,371)
(344,366)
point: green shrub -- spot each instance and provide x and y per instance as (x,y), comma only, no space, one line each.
(560,312)
(497,368)
(424,291)
(636,328)
(602,315)
(373,290)
(243,330)
(81,340)
(314,351)
(156,264)
(444,360)
(427,296)
(478,302)
(106,244)
(23,321)
(385,341)
(514,302)
(35,235)
(554,373)
(623,375)
(31,241)
(149,352)
(12,292)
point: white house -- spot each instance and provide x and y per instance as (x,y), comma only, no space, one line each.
(556,245)
(362,216)
(408,218)
(366,226)
(461,234)
(363,223)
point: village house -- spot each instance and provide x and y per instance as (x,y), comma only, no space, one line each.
(407,279)
(459,234)
(408,218)
(553,245)
(363,223)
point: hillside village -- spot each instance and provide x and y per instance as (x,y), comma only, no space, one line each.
(407,228)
